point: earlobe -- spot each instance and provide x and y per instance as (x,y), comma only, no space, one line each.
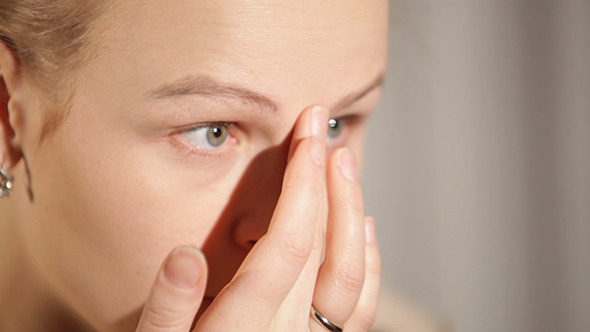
(9,77)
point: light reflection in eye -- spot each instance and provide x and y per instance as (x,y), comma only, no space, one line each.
(215,136)
(335,128)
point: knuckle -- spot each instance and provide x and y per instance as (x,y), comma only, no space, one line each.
(296,248)
(164,319)
(350,279)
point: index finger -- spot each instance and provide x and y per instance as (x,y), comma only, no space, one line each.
(273,265)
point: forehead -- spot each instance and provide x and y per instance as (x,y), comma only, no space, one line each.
(316,49)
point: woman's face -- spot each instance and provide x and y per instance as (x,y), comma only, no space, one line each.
(178,134)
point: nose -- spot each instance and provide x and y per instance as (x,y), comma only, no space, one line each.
(257,195)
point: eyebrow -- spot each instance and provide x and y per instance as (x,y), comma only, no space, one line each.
(353,97)
(207,86)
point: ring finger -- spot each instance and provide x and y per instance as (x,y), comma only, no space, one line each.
(341,276)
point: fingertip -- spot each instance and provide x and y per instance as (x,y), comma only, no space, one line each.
(184,267)
(177,292)
(313,121)
(319,121)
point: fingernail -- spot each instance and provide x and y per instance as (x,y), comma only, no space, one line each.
(319,121)
(370,232)
(347,164)
(183,268)
(317,151)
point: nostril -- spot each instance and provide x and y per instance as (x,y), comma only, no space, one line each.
(247,231)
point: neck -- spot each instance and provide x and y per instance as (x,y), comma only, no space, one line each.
(27,302)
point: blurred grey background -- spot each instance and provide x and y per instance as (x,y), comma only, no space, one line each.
(478,162)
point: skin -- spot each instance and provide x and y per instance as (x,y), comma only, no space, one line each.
(100,204)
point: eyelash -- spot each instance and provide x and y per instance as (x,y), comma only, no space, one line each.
(180,137)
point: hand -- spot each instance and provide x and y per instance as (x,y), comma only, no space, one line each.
(285,272)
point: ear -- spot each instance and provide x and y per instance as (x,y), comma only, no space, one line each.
(10,81)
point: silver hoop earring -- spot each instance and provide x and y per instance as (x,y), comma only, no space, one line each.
(6,180)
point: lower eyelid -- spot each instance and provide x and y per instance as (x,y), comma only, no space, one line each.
(339,141)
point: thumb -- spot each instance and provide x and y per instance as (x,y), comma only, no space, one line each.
(176,294)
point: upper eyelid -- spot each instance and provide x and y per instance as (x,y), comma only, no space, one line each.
(349,118)
(234,123)
(200,125)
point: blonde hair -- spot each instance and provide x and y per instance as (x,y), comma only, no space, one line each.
(50,39)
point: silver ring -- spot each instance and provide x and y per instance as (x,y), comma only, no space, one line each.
(324,321)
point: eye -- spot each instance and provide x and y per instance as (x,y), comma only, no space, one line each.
(208,137)
(335,128)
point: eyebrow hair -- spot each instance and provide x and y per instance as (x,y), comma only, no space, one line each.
(351,98)
(207,86)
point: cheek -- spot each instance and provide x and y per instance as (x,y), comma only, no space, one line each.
(106,214)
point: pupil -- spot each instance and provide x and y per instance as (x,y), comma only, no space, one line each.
(217,132)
